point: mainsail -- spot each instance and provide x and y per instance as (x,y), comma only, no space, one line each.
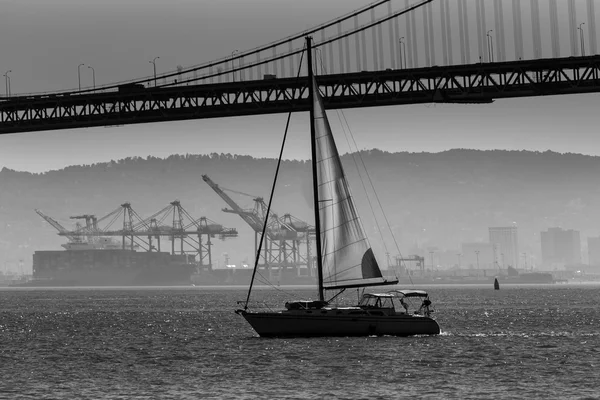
(348,260)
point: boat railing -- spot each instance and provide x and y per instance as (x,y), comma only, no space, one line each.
(256,305)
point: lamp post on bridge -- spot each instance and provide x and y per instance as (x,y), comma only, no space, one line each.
(79,74)
(93,75)
(7,82)
(232,65)
(402,51)
(477,254)
(153,62)
(580,29)
(490,41)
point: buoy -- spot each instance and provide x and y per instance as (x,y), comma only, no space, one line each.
(496,284)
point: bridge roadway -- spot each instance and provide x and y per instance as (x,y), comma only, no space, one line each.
(474,83)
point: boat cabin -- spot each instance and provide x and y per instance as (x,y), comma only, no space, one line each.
(396,300)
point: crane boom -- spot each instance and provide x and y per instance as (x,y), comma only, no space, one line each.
(250,218)
(54,223)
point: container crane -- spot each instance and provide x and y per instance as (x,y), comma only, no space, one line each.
(282,242)
(146,233)
(91,225)
(61,229)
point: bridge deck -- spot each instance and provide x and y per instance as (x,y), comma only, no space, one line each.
(474,83)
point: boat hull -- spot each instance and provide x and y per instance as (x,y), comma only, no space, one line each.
(328,323)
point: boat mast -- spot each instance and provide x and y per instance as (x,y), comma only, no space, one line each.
(313,146)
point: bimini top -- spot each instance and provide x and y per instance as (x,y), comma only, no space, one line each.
(384,295)
(408,293)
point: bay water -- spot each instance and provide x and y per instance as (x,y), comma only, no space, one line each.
(523,341)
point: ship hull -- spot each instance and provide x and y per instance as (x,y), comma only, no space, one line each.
(109,268)
(332,323)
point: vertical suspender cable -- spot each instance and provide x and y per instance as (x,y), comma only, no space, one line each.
(591,22)
(392,40)
(426,37)
(482,18)
(443,26)
(461,31)
(449,33)
(414,45)
(397,41)
(518,29)
(573,32)
(341,49)
(363,42)
(429,7)
(500,34)
(535,26)
(408,61)
(332,69)
(466,32)
(347,42)
(374,40)
(357,43)
(554,29)
(380,38)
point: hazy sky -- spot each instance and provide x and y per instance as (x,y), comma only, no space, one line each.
(43,42)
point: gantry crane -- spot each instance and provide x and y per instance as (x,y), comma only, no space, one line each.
(283,236)
(61,229)
(146,233)
(91,225)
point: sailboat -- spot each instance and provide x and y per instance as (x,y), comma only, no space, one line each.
(344,259)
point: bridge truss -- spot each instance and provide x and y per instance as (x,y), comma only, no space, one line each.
(363,61)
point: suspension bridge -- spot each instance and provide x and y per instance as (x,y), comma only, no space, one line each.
(391,52)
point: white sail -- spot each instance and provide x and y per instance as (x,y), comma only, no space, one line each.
(348,260)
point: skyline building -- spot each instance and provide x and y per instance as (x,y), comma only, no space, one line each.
(593,251)
(560,247)
(506,245)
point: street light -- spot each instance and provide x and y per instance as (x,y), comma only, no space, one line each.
(477,254)
(93,75)
(581,39)
(153,62)
(7,82)
(79,75)
(490,41)
(232,66)
(458,255)
(402,51)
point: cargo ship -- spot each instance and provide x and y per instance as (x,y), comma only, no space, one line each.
(109,267)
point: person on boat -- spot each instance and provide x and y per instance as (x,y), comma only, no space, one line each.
(425,307)
(404,305)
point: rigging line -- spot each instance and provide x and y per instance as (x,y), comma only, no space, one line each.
(287,125)
(376,195)
(363,185)
(361,178)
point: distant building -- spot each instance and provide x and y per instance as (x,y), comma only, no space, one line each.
(594,251)
(477,253)
(506,245)
(560,247)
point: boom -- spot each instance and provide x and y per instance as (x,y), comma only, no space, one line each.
(249,217)
(61,229)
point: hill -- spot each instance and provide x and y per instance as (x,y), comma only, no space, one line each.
(431,199)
